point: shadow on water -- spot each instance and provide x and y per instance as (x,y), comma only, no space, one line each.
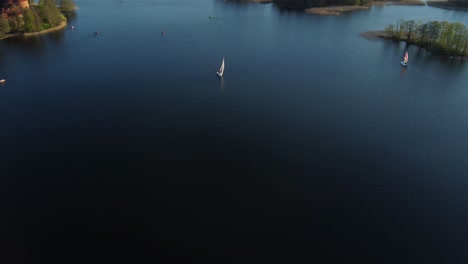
(31,45)
(424,57)
(35,44)
(428,58)
(57,36)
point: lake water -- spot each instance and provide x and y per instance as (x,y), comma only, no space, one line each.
(315,147)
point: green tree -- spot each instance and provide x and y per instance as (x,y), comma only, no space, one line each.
(13,25)
(4,26)
(443,37)
(66,5)
(408,29)
(50,13)
(458,29)
(31,20)
(390,30)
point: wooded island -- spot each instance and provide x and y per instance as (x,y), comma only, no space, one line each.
(305,4)
(450,39)
(24,16)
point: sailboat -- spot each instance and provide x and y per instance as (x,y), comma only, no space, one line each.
(221,69)
(404,62)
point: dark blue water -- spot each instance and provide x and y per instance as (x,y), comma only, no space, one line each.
(315,147)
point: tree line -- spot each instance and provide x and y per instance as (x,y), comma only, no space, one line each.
(304,4)
(43,15)
(458,2)
(439,37)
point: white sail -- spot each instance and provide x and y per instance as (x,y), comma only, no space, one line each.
(404,62)
(221,69)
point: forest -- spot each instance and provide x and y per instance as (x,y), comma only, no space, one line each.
(437,37)
(42,15)
(304,4)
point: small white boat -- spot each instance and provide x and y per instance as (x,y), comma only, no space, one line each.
(221,69)
(404,62)
(2,81)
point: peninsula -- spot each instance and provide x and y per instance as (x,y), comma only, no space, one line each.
(337,7)
(448,39)
(26,18)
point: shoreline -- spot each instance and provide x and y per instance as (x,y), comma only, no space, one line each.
(445,5)
(333,10)
(375,34)
(338,10)
(253,1)
(62,25)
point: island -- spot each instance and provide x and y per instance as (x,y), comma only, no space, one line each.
(24,18)
(337,7)
(448,39)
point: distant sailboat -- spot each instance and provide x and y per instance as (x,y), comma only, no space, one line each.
(404,62)
(221,69)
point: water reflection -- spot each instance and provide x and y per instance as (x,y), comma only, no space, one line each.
(31,45)
(453,62)
(221,86)
(402,72)
(71,16)
(2,56)
(34,44)
(56,36)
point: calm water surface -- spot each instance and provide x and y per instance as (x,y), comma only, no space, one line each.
(315,147)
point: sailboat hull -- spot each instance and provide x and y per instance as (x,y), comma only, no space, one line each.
(219,74)
(404,64)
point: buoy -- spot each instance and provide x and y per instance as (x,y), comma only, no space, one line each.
(2,81)
(72,27)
